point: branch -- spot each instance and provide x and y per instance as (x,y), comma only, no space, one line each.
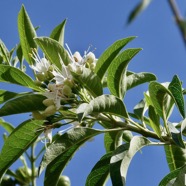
(178,17)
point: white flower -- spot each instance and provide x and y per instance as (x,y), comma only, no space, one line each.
(54,93)
(60,77)
(42,64)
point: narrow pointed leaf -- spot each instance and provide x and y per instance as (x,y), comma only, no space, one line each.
(90,81)
(6,95)
(66,142)
(169,179)
(139,109)
(53,51)
(100,171)
(161,98)
(117,83)
(154,121)
(26,34)
(13,75)
(54,157)
(180,180)
(112,140)
(138,9)
(4,52)
(23,104)
(19,53)
(176,89)
(176,135)
(136,79)
(176,156)
(58,32)
(58,165)
(122,157)
(7,126)
(108,55)
(105,104)
(115,164)
(18,142)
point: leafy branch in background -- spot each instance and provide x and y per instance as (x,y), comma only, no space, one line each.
(180,21)
(66,92)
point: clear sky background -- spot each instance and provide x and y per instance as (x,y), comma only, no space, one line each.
(100,23)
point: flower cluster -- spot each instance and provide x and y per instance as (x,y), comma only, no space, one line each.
(59,82)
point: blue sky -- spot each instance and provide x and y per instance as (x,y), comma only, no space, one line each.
(100,23)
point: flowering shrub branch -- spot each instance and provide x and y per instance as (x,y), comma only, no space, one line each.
(67,90)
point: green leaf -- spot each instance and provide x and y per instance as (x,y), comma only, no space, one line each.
(180,180)
(154,121)
(115,164)
(176,156)
(58,32)
(182,25)
(18,142)
(109,54)
(100,171)
(161,98)
(136,79)
(26,34)
(6,95)
(117,79)
(169,179)
(54,51)
(122,157)
(112,140)
(56,158)
(23,104)
(7,126)
(4,52)
(13,75)
(90,81)
(19,53)
(176,134)
(139,109)
(59,164)
(176,89)
(104,104)
(138,9)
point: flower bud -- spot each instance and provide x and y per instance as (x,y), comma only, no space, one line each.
(50,110)
(68,82)
(63,181)
(92,66)
(76,69)
(37,115)
(48,102)
(77,57)
(66,90)
(52,87)
(90,58)
(41,77)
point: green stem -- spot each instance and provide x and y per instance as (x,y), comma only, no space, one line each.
(177,16)
(134,127)
(32,161)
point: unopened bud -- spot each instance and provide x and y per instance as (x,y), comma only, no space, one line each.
(68,82)
(50,110)
(67,90)
(37,115)
(41,77)
(48,102)
(77,57)
(92,66)
(90,57)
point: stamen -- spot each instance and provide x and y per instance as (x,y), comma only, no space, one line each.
(69,50)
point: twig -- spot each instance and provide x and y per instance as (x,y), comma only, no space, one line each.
(178,17)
